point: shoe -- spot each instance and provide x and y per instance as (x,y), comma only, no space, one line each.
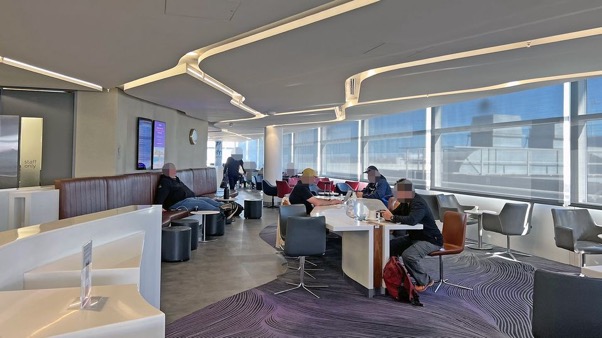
(422,288)
(232,212)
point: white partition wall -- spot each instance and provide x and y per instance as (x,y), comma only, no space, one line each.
(25,249)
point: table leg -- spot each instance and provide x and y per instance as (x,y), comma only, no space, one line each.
(204,240)
(480,245)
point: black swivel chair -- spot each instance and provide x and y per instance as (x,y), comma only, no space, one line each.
(512,220)
(269,190)
(575,230)
(566,305)
(305,236)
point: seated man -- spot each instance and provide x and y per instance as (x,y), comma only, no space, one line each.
(408,208)
(175,195)
(378,187)
(301,193)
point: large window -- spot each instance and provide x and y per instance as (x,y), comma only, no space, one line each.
(306,150)
(339,156)
(506,145)
(252,152)
(395,144)
(287,153)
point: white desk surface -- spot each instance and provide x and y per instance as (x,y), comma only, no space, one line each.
(337,220)
(43,313)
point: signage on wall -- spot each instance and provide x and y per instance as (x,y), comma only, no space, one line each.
(159,130)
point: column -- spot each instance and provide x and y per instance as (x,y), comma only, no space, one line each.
(272,162)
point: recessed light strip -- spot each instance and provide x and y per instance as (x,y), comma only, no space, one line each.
(33,90)
(38,70)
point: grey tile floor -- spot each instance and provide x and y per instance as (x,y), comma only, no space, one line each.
(237,261)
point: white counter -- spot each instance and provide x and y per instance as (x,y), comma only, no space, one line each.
(44,313)
(49,245)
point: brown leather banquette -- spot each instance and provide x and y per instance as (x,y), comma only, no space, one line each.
(80,196)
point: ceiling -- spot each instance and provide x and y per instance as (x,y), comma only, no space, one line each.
(292,61)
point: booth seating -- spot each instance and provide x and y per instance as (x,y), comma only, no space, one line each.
(253,209)
(175,243)
(194,230)
(80,196)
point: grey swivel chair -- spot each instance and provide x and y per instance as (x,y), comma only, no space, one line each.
(305,236)
(433,204)
(512,220)
(284,213)
(287,211)
(575,230)
(566,305)
(450,203)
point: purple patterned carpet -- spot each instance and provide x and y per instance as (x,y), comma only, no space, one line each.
(499,306)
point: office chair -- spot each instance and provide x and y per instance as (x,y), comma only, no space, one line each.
(432,203)
(342,188)
(269,190)
(450,203)
(512,220)
(575,230)
(454,237)
(305,236)
(565,305)
(282,188)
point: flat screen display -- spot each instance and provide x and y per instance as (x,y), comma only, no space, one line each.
(158,144)
(145,144)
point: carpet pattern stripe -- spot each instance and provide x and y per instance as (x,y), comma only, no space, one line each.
(499,306)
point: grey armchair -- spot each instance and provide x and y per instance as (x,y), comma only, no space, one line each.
(512,220)
(433,204)
(450,203)
(305,236)
(565,305)
(575,230)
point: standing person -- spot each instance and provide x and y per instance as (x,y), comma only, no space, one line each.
(172,194)
(408,208)
(231,171)
(378,187)
(301,193)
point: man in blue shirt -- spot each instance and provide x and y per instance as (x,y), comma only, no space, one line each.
(378,187)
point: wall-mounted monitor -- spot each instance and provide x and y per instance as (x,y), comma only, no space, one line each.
(159,129)
(145,144)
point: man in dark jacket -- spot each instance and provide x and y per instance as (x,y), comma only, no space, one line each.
(172,194)
(301,193)
(408,208)
(378,187)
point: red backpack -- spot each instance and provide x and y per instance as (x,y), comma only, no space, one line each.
(398,282)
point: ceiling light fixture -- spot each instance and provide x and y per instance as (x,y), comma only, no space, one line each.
(33,90)
(203,77)
(38,70)
(360,77)
(246,108)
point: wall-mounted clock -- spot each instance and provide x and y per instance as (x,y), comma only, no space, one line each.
(193,136)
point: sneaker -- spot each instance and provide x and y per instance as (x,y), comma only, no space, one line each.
(232,212)
(422,288)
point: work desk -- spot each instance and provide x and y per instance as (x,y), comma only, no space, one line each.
(365,245)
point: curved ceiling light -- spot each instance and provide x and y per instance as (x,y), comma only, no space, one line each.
(49,73)
(488,88)
(311,16)
(353,83)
